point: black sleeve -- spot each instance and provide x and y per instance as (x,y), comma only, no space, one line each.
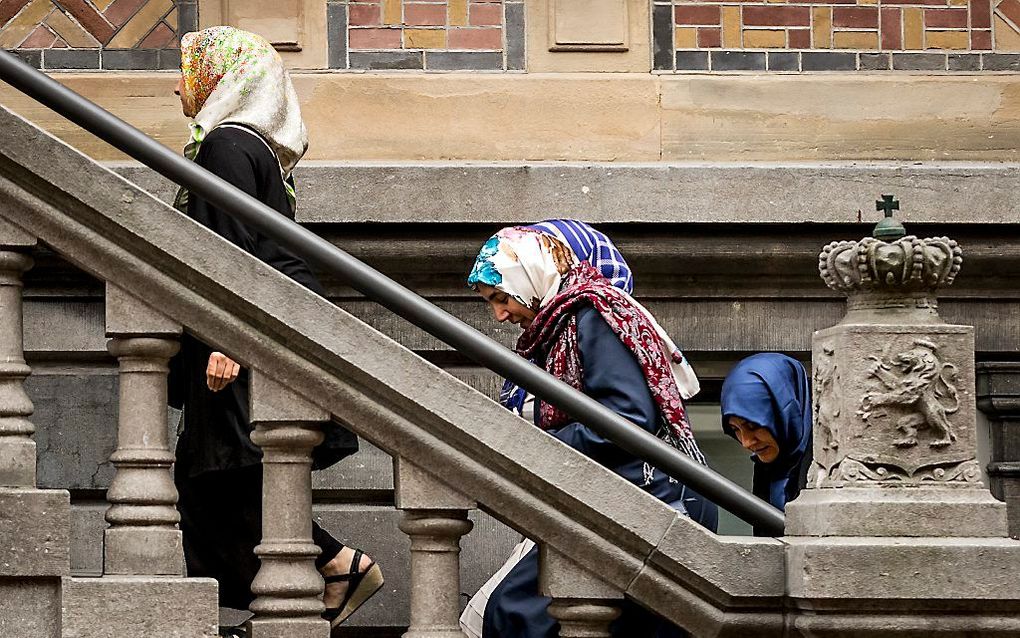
(224,157)
(612,377)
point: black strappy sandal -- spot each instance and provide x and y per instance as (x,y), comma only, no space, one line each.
(361,587)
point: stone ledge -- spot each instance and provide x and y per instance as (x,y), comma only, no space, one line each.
(508,192)
(599,116)
(119,606)
(30,607)
(935,569)
(35,531)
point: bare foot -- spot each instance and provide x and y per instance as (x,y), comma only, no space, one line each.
(341,564)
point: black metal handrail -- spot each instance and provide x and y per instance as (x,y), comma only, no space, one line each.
(388,293)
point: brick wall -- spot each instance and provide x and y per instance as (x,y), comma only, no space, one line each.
(688,36)
(444,35)
(837,35)
(97,34)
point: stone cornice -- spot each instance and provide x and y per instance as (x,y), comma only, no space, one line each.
(665,193)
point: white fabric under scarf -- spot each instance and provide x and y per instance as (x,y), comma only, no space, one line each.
(530,271)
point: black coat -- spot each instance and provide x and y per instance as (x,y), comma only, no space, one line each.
(217,429)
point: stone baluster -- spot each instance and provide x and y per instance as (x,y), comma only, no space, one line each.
(35,524)
(998,396)
(435,518)
(17,449)
(143,537)
(288,587)
(583,604)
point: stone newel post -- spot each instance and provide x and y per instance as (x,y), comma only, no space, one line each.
(894,412)
(895,534)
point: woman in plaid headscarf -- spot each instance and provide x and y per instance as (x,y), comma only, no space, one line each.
(595,337)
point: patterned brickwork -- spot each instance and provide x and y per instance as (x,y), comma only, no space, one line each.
(431,35)
(93,34)
(837,35)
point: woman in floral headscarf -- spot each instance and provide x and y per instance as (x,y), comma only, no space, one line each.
(598,339)
(247,130)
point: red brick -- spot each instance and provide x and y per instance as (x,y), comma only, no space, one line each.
(945,18)
(892,29)
(9,9)
(981,40)
(688,14)
(709,38)
(92,20)
(476,38)
(364,14)
(121,11)
(41,38)
(374,38)
(485,15)
(1010,9)
(858,17)
(159,38)
(777,16)
(980,14)
(59,44)
(940,3)
(425,15)
(799,38)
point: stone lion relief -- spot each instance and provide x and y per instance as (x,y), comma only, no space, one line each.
(918,382)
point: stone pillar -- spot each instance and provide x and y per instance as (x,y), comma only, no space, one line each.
(35,525)
(143,538)
(435,518)
(895,523)
(288,588)
(17,449)
(998,396)
(583,604)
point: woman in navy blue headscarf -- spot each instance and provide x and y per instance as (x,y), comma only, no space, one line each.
(766,406)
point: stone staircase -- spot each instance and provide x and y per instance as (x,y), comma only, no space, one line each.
(313,364)
(457,458)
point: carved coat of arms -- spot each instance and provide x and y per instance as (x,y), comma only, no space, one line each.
(924,389)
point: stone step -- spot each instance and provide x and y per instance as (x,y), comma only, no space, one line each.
(137,606)
(35,531)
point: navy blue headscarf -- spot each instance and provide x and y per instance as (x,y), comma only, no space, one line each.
(771,390)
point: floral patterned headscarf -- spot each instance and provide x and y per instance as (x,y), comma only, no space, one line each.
(237,77)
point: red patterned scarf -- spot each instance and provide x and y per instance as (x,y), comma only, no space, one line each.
(552,337)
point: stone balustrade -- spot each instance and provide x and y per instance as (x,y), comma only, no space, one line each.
(17,449)
(143,537)
(583,604)
(849,566)
(35,524)
(288,588)
(435,519)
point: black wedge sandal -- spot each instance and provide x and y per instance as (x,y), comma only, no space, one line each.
(361,587)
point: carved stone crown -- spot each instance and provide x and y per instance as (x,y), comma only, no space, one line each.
(906,268)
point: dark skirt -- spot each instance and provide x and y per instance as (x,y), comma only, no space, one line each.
(517,610)
(221,520)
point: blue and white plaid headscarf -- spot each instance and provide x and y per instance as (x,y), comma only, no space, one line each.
(593,247)
(588,245)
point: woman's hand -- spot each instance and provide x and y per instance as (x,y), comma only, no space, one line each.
(221,371)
